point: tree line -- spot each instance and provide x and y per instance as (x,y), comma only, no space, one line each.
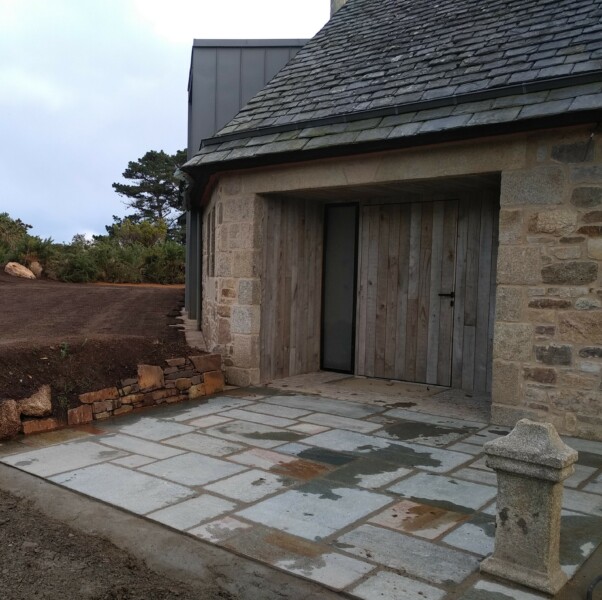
(145,246)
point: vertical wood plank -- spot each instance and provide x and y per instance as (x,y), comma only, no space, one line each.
(392,291)
(426,241)
(293,241)
(434,303)
(362,284)
(380,332)
(448,267)
(470,301)
(371,291)
(458,334)
(413,292)
(319,243)
(405,222)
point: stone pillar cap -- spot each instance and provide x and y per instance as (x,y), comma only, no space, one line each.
(533,442)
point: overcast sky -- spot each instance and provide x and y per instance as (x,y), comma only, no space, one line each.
(88,85)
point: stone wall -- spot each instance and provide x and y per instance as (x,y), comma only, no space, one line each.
(231,285)
(548,335)
(185,378)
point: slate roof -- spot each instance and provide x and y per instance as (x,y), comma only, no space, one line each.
(389,69)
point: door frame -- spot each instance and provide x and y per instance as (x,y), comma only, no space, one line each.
(355,205)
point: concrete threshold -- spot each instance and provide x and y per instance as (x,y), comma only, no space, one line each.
(167,552)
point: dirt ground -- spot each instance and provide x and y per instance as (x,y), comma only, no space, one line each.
(82,337)
(44,559)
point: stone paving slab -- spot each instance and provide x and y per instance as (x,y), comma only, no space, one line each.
(488,590)
(192,469)
(155,429)
(204,444)
(390,586)
(191,513)
(341,408)
(420,558)
(263,436)
(351,495)
(139,446)
(125,488)
(315,510)
(65,457)
(444,492)
(250,486)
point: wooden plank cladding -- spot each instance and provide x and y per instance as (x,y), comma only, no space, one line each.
(410,254)
(292,288)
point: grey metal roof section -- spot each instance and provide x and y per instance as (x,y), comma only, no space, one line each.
(387,69)
(224,75)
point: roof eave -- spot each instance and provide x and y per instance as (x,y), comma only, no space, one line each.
(206,173)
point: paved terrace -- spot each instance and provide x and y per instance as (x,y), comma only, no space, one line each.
(372,499)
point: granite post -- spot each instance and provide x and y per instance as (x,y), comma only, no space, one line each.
(531,464)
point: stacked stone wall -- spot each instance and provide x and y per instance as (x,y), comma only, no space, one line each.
(548,333)
(179,379)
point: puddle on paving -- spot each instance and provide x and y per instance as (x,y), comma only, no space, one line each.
(404,457)
(321,489)
(579,535)
(412,430)
(300,469)
(354,474)
(26,463)
(329,457)
(277,436)
(444,504)
(293,544)
(588,459)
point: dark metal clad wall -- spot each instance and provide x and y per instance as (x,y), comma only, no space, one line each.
(225,75)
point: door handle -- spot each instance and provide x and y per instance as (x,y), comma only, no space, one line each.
(450,295)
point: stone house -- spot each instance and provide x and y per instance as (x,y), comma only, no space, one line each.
(417,195)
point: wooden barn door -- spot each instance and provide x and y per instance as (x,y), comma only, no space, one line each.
(426,277)
(407,261)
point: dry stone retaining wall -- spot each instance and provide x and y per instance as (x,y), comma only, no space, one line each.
(186,378)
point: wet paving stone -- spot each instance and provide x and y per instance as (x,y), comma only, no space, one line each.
(253,417)
(336,422)
(390,586)
(595,486)
(192,469)
(155,430)
(278,411)
(584,502)
(64,457)
(308,428)
(420,558)
(204,444)
(307,559)
(214,406)
(133,461)
(220,530)
(315,510)
(138,446)
(477,476)
(250,486)
(428,434)
(580,535)
(190,513)
(408,415)
(445,492)
(367,473)
(476,535)
(377,448)
(417,519)
(488,590)
(321,455)
(254,434)
(353,410)
(209,421)
(131,490)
